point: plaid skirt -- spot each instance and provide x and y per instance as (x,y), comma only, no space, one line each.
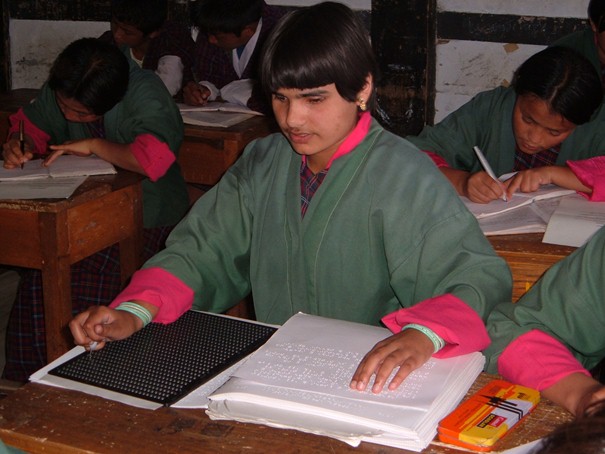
(94,281)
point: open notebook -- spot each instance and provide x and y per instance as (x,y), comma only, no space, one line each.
(216,114)
(300,380)
(518,200)
(63,166)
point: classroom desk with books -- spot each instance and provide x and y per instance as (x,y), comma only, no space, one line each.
(206,152)
(51,234)
(39,418)
(528,257)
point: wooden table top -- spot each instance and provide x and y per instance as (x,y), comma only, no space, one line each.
(528,243)
(39,418)
(92,188)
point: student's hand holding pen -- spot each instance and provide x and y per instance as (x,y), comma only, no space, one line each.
(13,156)
(482,188)
(405,351)
(101,324)
(195,94)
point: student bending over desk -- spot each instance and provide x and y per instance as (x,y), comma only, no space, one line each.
(554,334)
(227,51)
(334,216)
(95,103)
(532,127)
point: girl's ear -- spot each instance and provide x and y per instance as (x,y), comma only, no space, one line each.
(365,93)
(367,89)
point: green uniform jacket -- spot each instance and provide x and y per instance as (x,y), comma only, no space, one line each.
(385,230)
(583,43)
(147,108)
(486,121)
(567,303)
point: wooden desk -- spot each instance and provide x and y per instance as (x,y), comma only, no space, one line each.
(51,234)
(527,257)
(38,418)
(207,153)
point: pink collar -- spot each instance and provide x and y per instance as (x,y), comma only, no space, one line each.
(353,139)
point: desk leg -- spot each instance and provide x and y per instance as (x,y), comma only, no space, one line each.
(131,248)
(56,283)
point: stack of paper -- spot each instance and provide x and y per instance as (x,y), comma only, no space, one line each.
(575,221)
(300,379)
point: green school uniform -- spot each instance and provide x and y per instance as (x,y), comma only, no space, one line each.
(567,303)
(147,108)
(583,43)
(486,121)
(384,231)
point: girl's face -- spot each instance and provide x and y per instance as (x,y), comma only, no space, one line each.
(316,120)
(74,111)
(536,127)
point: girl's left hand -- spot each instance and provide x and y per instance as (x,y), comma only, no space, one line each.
(407,350)
(76,147)
(528,180)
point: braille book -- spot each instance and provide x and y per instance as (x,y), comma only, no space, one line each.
(162,363)
(299,379)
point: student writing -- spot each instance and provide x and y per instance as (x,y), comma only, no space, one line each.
(333,216)
(533,127)
(227,50)
(96,102)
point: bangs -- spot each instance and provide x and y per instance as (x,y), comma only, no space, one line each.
(311,50)
(299,67)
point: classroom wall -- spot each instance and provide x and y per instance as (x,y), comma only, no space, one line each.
(434,55)
(470,61)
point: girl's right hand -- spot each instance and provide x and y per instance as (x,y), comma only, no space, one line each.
(101,324)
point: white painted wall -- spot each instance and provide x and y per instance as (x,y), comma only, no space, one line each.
(35,44)
(465,68)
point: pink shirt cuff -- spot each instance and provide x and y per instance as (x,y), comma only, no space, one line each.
(153,155)
(438,160)
(449,317)
(591,173)
(537,360)
(39,137)
(161,289)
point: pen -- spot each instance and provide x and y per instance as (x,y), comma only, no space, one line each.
(21,138)
(488,169)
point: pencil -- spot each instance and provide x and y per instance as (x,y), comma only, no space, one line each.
(22,138)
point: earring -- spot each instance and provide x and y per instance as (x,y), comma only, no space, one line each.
(362,104)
